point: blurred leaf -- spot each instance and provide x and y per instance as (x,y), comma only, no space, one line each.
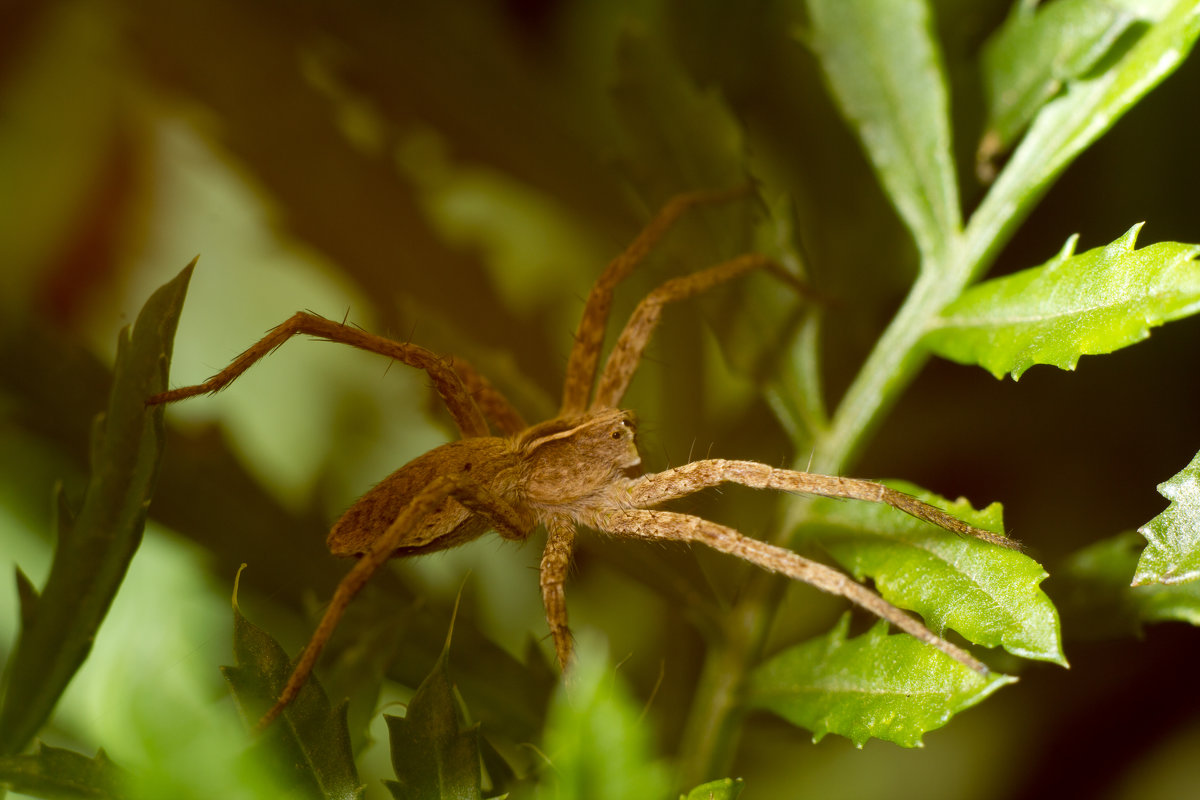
(1073,305)
(500,773)
(356,659)
(1098,601)
(677,137)
(95,547)
(1067,125)
(434,756)
(56,157)
(884,69)
(596,741)
(509,698)
(724,789)
(988,594)
(887,687)
(27,595)
(348,202)
(60,774)
(1030,59)
(378,56)
(309,742)
(1173,552)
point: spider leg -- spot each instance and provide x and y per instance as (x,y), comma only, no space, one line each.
(657,488)
(447,376)
(589,337)
(477,498)
(659,525)
(627,352)
(494,405)
(556,559)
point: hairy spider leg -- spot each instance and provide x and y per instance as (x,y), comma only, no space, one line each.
(589,336)
(478,499)
(626,354)
(657,488)
(686,528)
(447,375)
(556,560)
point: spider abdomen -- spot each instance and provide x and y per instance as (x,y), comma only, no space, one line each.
(451,524)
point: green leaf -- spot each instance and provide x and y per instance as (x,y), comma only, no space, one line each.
(1098,601)
(435,757)
(1035,54)
(986,593)
(1067,125)
(27,596)
(595,736)
(59,774)
(1073,305)
(1173,551)
(676,136)
(886,687)
(310,741)
(724,789)
(884,69)
(95,547)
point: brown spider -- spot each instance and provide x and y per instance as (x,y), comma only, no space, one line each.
(580,468)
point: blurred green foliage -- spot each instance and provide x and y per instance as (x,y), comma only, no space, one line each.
(458,174)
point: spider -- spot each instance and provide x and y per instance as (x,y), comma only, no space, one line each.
(581,468)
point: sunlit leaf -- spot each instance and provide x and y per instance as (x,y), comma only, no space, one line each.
(1031,58)
(59,774)
(884,69)
(434,755)
(1172,554)
(1098,601)
(876,685)
(988,594)
(724,789)
(1067,125)
(96,545)
(309,742)
(595,738)
(1073,305)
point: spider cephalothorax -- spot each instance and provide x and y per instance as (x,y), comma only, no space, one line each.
(572,465)
(580,468)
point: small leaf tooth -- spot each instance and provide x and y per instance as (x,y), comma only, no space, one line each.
(1128,240)
(1064,255)
(27,595)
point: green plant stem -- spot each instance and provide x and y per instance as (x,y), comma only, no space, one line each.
(714,724)
(713,728)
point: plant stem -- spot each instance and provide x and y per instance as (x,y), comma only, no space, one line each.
(890,368)
(713,728)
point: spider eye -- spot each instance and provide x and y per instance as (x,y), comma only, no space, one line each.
(616,434)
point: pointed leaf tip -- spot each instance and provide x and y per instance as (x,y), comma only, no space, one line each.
(884,68)
(990,595)
(310,739)
(434,753)
(97,544)
(723,789)
(1172,554)
(876,685)
(1074,305)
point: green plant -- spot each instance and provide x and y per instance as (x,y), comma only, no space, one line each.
(481,172)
